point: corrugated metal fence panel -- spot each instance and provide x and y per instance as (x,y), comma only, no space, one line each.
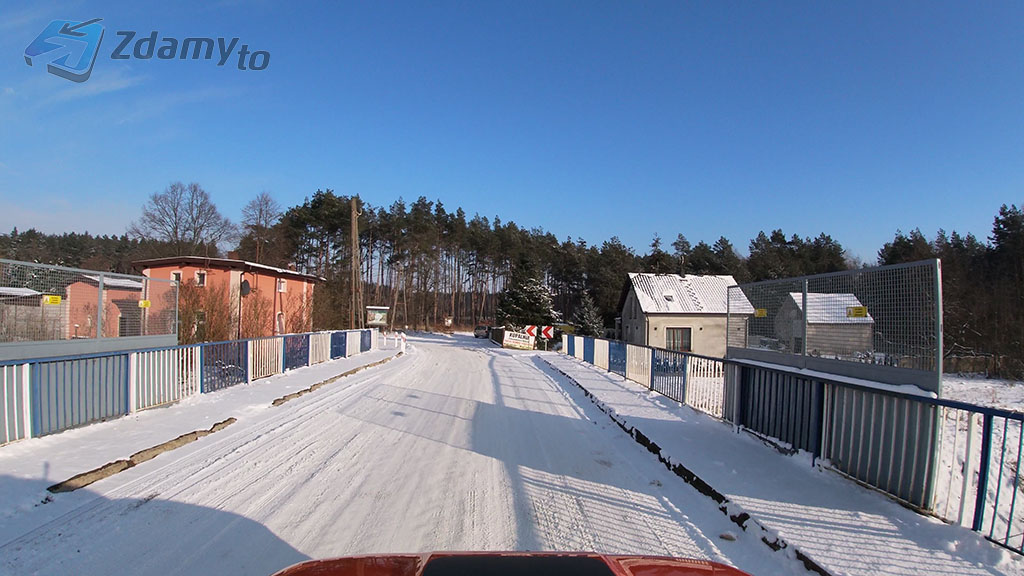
(883,440)
(705,385)
(782,406)
(669,374)
(338,344)
(588,350)
(375,339)
(638,364)
(352,343)
(617,357)
(319,347)
(601,354)
(13,394)
(69,393)
(577,348)
(565,345)
(165,376)
(224,364)
(365,340)
(265,356)
(296,351)
(570,348)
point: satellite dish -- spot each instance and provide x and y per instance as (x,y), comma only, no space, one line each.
(245,288)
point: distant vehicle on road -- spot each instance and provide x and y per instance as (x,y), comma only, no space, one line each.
(481,332)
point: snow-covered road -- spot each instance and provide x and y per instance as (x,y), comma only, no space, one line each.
(458,445)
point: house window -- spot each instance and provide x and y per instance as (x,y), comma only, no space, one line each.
(679,339)
(280,285)
(176,276)
(200,278)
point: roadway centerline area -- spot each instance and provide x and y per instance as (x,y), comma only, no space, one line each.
(457,445)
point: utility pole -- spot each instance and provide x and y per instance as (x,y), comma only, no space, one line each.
(356,315)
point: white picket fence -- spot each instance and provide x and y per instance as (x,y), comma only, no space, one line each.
(158,377)
(320,347)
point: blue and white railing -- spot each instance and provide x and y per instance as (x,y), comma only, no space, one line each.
(47,395)
(958,461)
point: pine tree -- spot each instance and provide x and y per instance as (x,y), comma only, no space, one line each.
(526,300)
(588,319)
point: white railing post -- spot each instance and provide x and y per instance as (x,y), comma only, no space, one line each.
(26,400)
(133,384)
(968,468)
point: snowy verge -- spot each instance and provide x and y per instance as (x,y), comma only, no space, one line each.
(732,510)
(839,525)
(54,458)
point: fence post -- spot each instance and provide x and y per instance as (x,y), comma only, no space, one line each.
(26,399)
(651,383)
(737,408)
(968,470)
(250,359)
(202,369)
(817,418)
(986,453)
(133,377)
(284,354)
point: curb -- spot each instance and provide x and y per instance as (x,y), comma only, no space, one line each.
(732,510)
(304,391)
(84,479)
(109,469)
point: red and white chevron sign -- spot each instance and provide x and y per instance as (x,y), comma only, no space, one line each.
(542,331)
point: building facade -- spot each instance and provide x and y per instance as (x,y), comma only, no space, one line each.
(682,313)
(243,299)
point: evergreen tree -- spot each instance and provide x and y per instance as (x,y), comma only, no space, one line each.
(526,300)
(587,319)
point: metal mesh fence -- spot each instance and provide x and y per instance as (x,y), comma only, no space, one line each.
(39,302)
(887,316)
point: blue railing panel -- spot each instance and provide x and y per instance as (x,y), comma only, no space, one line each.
(70,393)
(617,357)
(570,350)
(365,340)
(224,364)
(296,351)
(668,374)
(588,350)
(338,344)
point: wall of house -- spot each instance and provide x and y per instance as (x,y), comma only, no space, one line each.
(633,321)
(265,311)
(707,331)
(839,339)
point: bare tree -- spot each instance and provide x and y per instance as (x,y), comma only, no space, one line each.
(258,217)
(185,218)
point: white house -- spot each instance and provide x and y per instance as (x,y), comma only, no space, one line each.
(837,325)
(684,313)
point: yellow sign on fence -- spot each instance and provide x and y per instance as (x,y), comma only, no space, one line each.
(761,313)
(856,311)
(51,300)
(144,303)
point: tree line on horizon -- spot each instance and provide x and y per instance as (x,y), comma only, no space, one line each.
(427,262)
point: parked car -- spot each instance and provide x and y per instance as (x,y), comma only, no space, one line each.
(481,332)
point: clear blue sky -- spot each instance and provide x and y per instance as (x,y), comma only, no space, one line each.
(589,119)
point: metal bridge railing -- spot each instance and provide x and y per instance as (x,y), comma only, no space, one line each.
(957,461)
(47,395)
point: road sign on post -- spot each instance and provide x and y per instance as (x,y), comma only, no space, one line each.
(547,332)
(531,330)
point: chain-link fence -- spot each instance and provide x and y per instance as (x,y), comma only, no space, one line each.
(39,302)
(890,317)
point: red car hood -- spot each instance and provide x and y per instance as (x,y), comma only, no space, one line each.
(509,564)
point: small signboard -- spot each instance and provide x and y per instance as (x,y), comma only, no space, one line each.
(518,340)
(856,311)
(144,303)
(52,300)
(761,313)
(377,315)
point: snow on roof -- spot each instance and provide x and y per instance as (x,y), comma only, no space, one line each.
(690,294)
(113,282)
(829,308)
(18,292)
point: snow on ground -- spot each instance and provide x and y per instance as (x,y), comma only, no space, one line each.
(458,445)
(842,526)
(976,389)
